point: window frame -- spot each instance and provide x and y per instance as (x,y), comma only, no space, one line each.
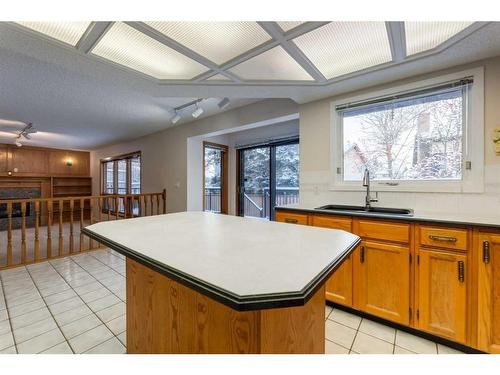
(127,157)
(473,150)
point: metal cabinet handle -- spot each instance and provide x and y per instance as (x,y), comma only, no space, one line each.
(486,252)
(461,272)
(291,221)
(443,238)
(362,254)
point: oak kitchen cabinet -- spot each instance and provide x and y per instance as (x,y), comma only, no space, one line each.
(488,257)
(339,286)
(440,278)
(380,289)
(442,293)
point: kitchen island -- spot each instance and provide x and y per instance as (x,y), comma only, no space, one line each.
(207,283)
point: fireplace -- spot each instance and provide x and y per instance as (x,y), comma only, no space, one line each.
(7,193)
(16,209)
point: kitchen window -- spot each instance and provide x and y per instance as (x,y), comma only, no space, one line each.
(122,174)
(421,137)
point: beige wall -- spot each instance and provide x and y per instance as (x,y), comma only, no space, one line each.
(315,122)
(164,154)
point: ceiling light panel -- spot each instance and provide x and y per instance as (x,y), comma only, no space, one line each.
(340,48)
(126,46)
(217,41)
(274,64)
(423,36)
(289,25)
(67,32)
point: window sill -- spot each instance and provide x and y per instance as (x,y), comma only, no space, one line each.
(432,187)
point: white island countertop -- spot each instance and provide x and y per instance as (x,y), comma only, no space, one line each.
(242,262)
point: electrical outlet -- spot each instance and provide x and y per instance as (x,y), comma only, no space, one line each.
(496,140)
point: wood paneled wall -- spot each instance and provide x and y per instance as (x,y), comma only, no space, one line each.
(42,162)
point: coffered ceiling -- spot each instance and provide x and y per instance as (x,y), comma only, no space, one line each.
(286,52)
(88,84)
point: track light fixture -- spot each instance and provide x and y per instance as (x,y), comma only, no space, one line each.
(176,118)
(197,112)
(223,103)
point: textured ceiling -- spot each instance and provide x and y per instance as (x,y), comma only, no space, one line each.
(79,100)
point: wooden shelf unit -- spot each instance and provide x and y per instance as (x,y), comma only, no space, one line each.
(63,187)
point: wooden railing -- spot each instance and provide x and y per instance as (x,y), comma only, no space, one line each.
(34,230)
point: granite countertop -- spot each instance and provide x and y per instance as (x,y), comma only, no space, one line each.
(244,263)
(492,221)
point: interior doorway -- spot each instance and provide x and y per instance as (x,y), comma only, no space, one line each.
(215,177)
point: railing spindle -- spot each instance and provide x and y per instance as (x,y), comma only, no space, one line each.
(139,206)
(61,238)
(151,205)
(117,207)
(100,208)
(157,204)
(82,203)
(108,201)
(125,206)
(23,232)
(37,230)
(9,233)
(91,220)
(164,196)
(71,239)
(49,229)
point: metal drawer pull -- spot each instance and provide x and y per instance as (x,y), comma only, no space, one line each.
(291,221)
(362,254)
(443,238)
(486,252)
(461,276)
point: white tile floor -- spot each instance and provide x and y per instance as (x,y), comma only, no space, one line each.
(350,334)
(77,305)
(69,305)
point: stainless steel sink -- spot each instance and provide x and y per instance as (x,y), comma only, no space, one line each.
(363,209)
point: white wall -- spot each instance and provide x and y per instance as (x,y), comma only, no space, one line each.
(315,122)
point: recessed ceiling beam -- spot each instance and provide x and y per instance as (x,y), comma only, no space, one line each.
(94,33)
(397,40)
(156,35)
(273,29)
(297,31)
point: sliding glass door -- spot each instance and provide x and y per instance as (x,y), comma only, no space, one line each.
(269,177)
(215,177)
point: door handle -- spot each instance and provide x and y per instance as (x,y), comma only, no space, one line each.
(486,252)
(461,271)
(442,238)
(362,254)
(291,221)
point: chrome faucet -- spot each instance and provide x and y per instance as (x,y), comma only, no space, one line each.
(368,198)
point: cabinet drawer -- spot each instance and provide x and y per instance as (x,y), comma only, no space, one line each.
(291,217)
(331,222)
(450,238)
(381,230)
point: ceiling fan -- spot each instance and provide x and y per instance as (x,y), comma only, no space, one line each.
(24,132)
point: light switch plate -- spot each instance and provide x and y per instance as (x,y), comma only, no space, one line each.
(496,140)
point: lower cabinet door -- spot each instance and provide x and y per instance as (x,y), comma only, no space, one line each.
(489,293)
(442,294)
(382,280)
(339,285)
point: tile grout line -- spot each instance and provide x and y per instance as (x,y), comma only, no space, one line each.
(50,312)
(94,313)
(97,278)
(8,314)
